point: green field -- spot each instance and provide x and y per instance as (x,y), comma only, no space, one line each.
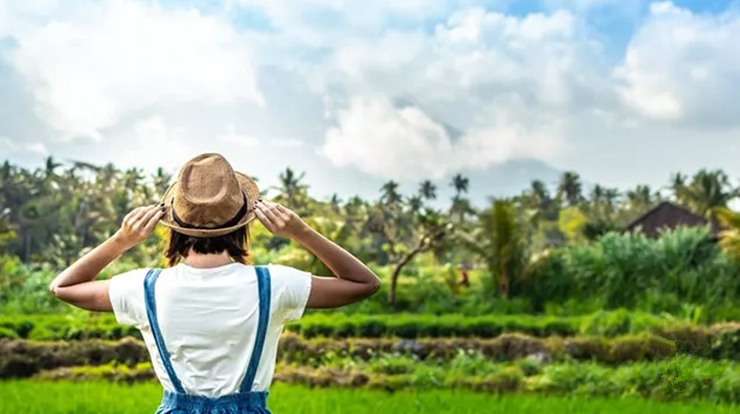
(96,397)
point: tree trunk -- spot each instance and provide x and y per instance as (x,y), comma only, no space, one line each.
(397,273)
(503,283)
(394,285)
(27,253)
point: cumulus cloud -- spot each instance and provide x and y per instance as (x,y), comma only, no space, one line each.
(38,148)
(232,137)
(10,147)
(541,58)
(679,67)
(385,141)
(388,141)
(119,58)
(502,80)
(391,88)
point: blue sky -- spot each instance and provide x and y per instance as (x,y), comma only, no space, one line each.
(355,93)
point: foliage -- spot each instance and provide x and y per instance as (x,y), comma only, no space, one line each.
(730,234)
(91,326)
(635,272)
(546,250)
(499,241)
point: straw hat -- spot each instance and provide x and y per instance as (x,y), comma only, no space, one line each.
(209,199)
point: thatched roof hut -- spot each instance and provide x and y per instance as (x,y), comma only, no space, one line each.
(668,216)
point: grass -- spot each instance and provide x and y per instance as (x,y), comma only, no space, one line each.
(36,397)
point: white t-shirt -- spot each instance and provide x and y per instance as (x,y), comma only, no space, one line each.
(208,318)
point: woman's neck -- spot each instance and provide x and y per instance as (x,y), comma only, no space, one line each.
(207,261)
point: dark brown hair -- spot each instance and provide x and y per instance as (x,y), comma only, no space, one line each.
(235,243)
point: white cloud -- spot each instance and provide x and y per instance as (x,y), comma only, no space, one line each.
(409,89)
(502,80)
(588,5)
(119,58)
(286,142)
(15,15)
(231,137)
(476,55)
(385,141)
(406,143)
(152,130)
(682,67)
(7,145)
(38,148)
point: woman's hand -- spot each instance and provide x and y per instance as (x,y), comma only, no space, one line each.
(76,284)
(139,224)
(279,220)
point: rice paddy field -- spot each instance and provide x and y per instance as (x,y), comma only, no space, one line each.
(36,397)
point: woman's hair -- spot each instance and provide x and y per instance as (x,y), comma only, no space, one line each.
(235,243)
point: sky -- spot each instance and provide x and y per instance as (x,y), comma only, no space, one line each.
(355,93)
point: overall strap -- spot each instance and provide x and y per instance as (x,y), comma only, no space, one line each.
(151,313)
(263,283)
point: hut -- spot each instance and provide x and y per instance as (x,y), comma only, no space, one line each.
(668,216)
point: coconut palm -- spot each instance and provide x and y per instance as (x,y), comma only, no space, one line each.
(570,188)
(427,190)
(707,191)
(499,242)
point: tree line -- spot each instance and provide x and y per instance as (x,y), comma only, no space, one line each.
(55,211)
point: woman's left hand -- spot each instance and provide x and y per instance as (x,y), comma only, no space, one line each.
(139,224)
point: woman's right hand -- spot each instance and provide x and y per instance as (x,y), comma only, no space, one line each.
(279,220)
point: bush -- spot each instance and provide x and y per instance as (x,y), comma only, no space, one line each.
(682,273)
(24,359)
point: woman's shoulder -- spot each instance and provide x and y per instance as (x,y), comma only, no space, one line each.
(132,275)
(280,270)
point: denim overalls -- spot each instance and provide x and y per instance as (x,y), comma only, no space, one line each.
(245,401)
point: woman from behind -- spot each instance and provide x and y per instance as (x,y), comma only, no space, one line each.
(211,322)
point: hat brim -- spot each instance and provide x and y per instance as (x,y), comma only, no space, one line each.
(247,186)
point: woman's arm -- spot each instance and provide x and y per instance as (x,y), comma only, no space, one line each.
(76,285)
(354,281)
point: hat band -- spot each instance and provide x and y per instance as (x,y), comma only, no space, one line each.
(233,222)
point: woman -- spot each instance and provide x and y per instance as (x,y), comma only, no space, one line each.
(212,323)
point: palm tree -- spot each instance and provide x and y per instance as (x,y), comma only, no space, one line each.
(460,183)
(707,191)
(389,193)
(538,192)
(677,183)
(161,181)
(292,191)
(499,241)
(50,168)
(597,194)
(570,188)
(415,203)
(427,190)
(730,235)
(460,205)
(335,203)
(640,198)
(611,197)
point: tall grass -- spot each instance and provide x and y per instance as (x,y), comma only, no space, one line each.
(682,273)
